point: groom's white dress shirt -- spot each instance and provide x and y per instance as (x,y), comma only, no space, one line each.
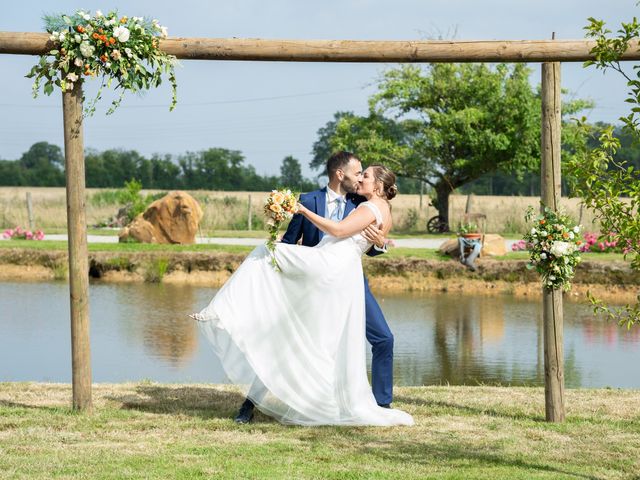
(334,200)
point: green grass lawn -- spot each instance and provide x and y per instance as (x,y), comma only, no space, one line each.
(126,247)
(399,252)
(149,430)
(259,233)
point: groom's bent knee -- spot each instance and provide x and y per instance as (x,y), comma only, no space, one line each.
(384,344)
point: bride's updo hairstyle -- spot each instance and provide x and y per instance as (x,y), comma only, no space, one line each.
(387,178)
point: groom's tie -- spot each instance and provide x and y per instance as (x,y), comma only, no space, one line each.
(338,211)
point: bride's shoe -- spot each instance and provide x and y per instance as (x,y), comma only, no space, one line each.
(198,317)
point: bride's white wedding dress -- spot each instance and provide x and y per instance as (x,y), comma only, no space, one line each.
(295,339)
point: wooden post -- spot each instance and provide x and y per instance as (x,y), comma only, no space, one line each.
(552,299)
(78,251)
(467,208)
(249,215)
(384,51)
(30,212)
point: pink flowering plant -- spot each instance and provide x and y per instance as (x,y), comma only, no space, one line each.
(519,246)
(18,233)
(113,47)
(554,245)
(605,243)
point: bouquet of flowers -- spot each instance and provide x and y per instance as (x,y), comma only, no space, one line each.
(279,206)
(20,233)
(120,48)
(554,246)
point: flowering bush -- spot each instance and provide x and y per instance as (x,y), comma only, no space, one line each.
(605,243)
(519,246)
(554,248)
(115,48)
(279,206)
(19,233)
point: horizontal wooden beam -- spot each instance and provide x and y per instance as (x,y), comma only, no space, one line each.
(395,51)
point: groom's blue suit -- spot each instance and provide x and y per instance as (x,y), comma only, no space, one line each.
(377,330)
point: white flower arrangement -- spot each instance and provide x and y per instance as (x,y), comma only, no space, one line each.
(92,46)
(554,252)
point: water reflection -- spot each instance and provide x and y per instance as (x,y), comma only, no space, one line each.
(164,330)
(141,331)
(475,340)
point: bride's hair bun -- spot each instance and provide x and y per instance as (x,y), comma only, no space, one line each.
(388,179)
(392,191)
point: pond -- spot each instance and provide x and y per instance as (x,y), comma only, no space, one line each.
(141,332)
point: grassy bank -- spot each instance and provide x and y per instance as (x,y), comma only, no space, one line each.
(400,270)
(185,431)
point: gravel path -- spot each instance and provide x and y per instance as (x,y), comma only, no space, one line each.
(431,243)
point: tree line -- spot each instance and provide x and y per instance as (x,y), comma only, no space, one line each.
(221,169)
(212,169)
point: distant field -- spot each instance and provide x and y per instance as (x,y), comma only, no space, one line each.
(228,211)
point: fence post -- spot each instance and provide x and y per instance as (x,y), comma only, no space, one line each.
(467,208)
(30,212)
(249,214)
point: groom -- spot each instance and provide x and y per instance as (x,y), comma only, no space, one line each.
(335,201)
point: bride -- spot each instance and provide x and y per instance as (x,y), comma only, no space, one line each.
(295,339)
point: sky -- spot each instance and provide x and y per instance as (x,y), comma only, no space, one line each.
(269,110)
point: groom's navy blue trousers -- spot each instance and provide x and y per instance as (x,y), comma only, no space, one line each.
(377,331)
(381,339)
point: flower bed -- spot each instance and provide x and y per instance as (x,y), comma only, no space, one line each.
(18,233)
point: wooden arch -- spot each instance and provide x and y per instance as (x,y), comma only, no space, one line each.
(549,52)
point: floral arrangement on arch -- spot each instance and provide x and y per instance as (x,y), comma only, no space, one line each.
(19,233)
(279,206)
(116,48)
(554,247)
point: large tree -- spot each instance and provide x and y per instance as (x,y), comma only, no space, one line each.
(43,165)
(291,172)
(291,175)
(446,125)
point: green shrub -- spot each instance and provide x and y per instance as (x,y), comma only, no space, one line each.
(155,270)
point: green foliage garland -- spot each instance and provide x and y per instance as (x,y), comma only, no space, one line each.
(115,48)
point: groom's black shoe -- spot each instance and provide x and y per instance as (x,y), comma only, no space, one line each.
(384,405)
(245,414)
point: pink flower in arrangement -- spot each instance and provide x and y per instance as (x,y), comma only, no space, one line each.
(8,233)
(28,235)
(39,235)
